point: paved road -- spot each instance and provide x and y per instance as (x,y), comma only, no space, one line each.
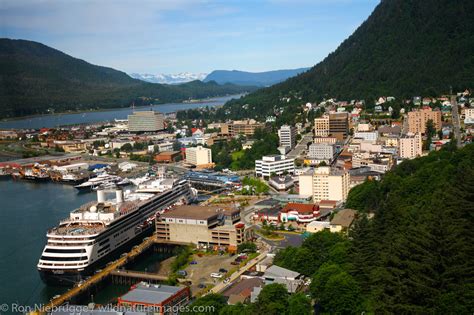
(456,121)
(301,146)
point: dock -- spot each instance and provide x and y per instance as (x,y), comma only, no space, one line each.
(112,270)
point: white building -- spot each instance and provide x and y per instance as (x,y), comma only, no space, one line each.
(277,164)
(146,121)
(287,135)
(198,156)
(367,135)
(325,184)
(320,152)
(469,115)
(410,146)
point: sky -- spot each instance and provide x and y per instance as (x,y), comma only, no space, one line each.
(196,36)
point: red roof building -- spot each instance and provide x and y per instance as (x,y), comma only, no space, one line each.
(299,212)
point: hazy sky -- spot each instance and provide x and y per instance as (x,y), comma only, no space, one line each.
(187,35)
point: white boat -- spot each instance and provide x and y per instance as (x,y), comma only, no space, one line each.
(97,181)
(156,185)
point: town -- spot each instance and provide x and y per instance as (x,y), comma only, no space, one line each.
(256,187)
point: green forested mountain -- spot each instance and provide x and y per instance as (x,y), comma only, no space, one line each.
(415,256)
(405,48)
(35,78)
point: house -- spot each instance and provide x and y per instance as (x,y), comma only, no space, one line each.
(342,220)
(268,214)
(281,183)
(242,290)
(291,279)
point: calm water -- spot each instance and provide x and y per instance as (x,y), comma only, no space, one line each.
(49,121)
(27,210)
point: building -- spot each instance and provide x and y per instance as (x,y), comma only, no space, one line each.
(146,121)
(339,125)
(321,126)
(325,183)
(287,135)
(274,164)
(281,183)
(367,135)
(330,140)
(244,127)
(155,296)
(299,212)
(199,156)
(204,226)
(410,146)
(322,152)
(469,116)
(417,120)
(167,156)
(342,220)
(291,279)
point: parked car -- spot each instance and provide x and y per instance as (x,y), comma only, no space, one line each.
(216,275)
(235,263)
(193,262)
(201,286)
(223,270)
(182,273)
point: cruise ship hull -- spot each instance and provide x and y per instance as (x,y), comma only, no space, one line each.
(61,277)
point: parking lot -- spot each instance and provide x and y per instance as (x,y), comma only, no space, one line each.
(200,273)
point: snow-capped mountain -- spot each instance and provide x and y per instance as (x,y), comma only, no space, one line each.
(169,78)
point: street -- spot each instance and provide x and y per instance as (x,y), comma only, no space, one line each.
(300,146)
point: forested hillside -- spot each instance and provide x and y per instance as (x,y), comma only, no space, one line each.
(405,48)
(35,78)
(415,256)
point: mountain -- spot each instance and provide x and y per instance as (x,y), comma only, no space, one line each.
(252,78)
(178,78)
(405,48)
(37,79)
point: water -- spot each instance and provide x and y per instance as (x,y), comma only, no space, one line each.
(49,121)
(27,210)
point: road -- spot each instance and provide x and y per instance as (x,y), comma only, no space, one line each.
(301,146)
(456,121)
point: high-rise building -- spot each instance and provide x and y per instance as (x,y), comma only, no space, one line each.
(321,126)
(410,146)
(287,135)
(277,164)
(325,183)
(145,121)
(199,156)
(417,120)
(339,125)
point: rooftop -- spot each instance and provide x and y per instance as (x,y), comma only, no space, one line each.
(279,272)
(197,212)
(300,207)
(150,293)
(344,218)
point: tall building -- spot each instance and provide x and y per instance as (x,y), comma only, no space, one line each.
(277,164)
(198,156)
(417,120)
(325,183)
(410,146)
(321,126)
(203,226)
(146,121)
(339,125)
(244,127)
(287,135)
(320,152)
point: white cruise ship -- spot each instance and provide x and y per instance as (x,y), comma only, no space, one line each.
(98,230)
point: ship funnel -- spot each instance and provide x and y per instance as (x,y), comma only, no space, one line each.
(100,195)
(119,195)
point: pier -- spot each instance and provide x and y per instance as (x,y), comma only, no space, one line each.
(112,270)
